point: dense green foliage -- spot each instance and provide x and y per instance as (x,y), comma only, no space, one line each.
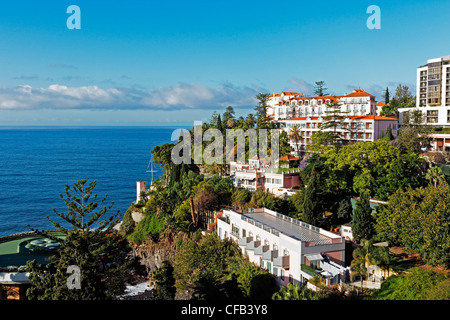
(418,219)
(375,167)
(212,268)
(418,284)
(295,292)
(363,222)
(164,282)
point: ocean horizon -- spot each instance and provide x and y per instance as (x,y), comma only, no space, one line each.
(38,161)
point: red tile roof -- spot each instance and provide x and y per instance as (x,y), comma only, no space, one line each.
(359,93)
(368,117)
(289,158)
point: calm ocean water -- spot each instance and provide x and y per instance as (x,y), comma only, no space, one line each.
(36,163)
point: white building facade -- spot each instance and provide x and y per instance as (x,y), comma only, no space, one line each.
(433,92)
(293,105)
(354,128)
(291,250)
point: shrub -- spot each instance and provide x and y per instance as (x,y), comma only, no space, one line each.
(149,227)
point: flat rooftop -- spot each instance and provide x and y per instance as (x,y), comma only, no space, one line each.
(288,226)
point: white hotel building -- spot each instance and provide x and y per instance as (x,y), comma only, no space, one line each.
(291,109)
(293,104)
(292,250)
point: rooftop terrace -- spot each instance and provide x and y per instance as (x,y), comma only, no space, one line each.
(277,223)
(16,250)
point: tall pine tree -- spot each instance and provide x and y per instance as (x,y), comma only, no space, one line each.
(313,200)
(262,120)
(92,246)
(386,96)
(363,222)
(333,120)
(320,89)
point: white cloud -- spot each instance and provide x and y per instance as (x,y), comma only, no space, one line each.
(302,86)
(180,96)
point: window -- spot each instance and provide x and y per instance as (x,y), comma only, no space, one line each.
(314,264)
(266,242)
(235,230)
(269,267)
(244,233)
(275,272)
(282,274)
(261,263)
(290,278)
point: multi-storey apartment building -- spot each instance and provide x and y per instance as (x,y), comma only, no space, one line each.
(433,92)
(433,99)
(290,249)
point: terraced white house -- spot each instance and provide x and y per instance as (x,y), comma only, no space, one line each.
(292,250)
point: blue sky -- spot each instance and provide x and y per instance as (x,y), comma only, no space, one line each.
(172,62)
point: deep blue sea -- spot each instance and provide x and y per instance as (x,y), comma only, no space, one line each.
(36,164)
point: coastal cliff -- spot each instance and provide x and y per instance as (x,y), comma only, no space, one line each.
(151,254)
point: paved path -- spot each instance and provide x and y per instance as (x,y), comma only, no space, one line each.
(366,284)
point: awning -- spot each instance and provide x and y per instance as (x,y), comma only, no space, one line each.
(314,257)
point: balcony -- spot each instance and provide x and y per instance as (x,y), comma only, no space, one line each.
(270,255)
(253,245)
(282,262)
(225,219)
(261,249)
(308,270)
(245,241)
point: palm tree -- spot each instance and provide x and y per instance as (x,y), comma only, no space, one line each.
(231,123)
(295,136)
(358,264)
(250,120)
(435,175)
(382,258)
(294,292)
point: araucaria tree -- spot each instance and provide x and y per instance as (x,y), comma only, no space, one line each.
(333,120)
(262,120)
(99,254)
(320,89)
